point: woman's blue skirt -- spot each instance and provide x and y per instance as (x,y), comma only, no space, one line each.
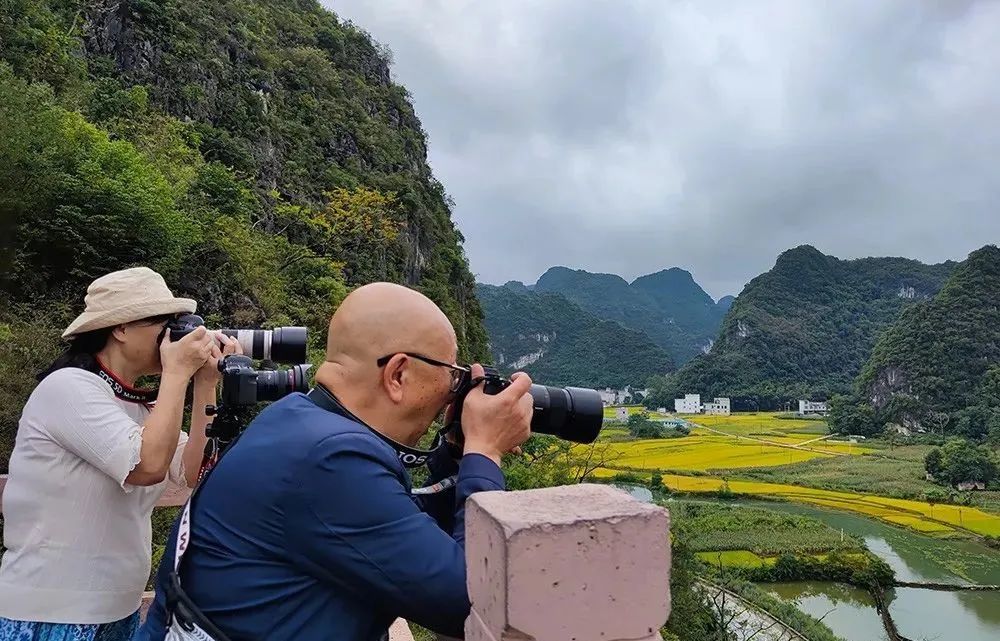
(122,630)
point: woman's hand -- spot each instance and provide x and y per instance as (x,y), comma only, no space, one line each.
(184,357)
(209,374)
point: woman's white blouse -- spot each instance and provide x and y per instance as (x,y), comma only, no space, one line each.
(77,536)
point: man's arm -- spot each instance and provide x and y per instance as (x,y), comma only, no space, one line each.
(350,522)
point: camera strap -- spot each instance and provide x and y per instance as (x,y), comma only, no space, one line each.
(185,621)
(409,457)
(123,390)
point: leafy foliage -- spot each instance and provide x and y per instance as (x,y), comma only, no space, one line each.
(960,461)
(641,426)
(570,345)
(803,329)
(938,366)
(257,154)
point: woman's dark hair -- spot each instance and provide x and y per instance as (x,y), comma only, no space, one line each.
(80,352)
(83,348)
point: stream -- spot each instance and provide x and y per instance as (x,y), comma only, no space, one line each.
(920,614)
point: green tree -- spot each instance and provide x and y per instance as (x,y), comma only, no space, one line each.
(934,497)
(993,433)
(933,463)
(961,461)
(848,416)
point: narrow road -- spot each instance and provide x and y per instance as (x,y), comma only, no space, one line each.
(791,446)
(748,620)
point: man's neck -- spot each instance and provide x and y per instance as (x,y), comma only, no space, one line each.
(357,402)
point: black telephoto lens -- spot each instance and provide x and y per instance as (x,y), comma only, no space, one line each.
(571,413)
(272,385)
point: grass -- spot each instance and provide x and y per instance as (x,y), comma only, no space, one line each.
(708,527)
(734,559)
(897,477)
(897,474)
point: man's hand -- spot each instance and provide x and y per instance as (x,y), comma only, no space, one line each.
(496,424)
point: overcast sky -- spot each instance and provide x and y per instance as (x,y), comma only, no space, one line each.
(627,137)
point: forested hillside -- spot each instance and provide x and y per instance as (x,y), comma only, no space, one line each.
(668,306)
(256,153)
(558,343)
(938,366)
(804,328)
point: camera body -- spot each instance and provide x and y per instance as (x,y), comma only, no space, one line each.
(570,413)
(244,386)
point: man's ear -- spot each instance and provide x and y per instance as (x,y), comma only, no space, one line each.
(393,376)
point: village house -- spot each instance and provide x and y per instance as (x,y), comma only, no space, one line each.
(691,404)
(813,408)
(718,406)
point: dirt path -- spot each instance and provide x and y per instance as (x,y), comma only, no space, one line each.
(747,620)
(791,446)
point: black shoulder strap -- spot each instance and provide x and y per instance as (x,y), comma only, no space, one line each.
(408,456)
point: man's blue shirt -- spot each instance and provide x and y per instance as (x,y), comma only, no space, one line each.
(306,529)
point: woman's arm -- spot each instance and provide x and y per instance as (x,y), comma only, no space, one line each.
(194,450)
(206,382)
(161,431)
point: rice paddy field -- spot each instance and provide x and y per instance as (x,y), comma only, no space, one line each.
(731,442)
(725,445)
(938,520)
(751,537)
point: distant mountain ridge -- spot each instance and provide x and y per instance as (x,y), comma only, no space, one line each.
(668,306)
(938,365)
(806,327)
(558,343)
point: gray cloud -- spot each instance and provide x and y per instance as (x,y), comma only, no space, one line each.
(632,136)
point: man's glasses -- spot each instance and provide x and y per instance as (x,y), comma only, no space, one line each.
(457,371)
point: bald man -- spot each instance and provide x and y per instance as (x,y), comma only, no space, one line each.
(308,528)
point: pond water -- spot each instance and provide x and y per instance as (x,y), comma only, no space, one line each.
(922,615)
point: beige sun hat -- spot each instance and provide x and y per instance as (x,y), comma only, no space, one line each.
(125,296)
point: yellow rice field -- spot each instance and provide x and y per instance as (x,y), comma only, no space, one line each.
(702,452)
(760,440)
(747,440)
(936,519)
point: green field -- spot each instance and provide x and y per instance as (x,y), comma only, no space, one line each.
(898,473)
(901,476)
(711,527)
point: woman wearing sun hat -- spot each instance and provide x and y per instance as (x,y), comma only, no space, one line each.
(92,456)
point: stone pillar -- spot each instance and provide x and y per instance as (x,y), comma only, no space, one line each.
(574,563)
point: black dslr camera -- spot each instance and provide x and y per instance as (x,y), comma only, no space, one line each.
(243,386)
(570,413)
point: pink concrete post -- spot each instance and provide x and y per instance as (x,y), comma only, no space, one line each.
(573,563)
